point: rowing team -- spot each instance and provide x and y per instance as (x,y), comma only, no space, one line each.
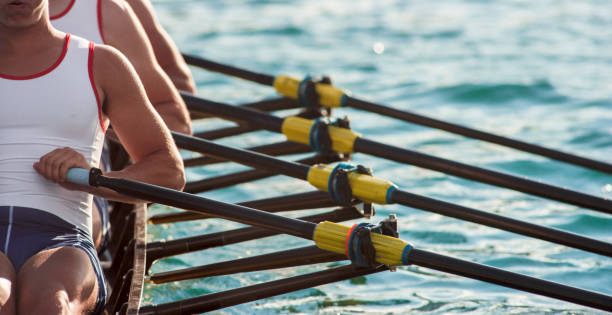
(68,70)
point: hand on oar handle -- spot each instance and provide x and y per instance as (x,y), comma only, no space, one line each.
(55,164)
(78,176)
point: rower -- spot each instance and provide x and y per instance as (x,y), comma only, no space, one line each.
(113,22)
(59,94)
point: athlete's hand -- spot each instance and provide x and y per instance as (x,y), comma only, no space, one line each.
(55,164)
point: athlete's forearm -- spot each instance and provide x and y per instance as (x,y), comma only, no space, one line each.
(158,168)
(182,80)
(162,167)
(171,60)
(175,115)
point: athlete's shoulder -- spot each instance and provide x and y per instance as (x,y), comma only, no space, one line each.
(107,53)
(116,10)
(108,62)
(118,22)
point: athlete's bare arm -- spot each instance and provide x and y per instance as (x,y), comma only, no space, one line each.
(140,129)
(123,31)
(167,54)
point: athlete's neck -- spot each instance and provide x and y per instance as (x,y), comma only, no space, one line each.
(31,37)
(26,35)
(29,49)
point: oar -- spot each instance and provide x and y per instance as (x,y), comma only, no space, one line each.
(274,149)
(225,132)
(331,236)
(235,178)
(283,259)
(168,248)
(331,96)
(242,127)
(268,105)
(346,141)
(380,191)
(300,201)
(219,300)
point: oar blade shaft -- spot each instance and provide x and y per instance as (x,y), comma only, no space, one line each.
(510,279)
(477,134)
(482,175)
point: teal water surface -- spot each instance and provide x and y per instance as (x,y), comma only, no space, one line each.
(533,70)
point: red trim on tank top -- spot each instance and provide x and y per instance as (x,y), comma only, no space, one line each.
(93,84)
(40,74)
(100,29)
(63,12)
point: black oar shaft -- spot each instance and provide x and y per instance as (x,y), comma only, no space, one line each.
(273,123)
(227,180)
(510,279)
(233,297)
(169,248)
(416,256)
(273,104)
(245,157)
(503,223)
(229,70)
(482,175)
(408,199)
(225,132)
(234,113)
(268,105)
(208,206)
(477,134)
(284,259)
(418,119)
(274,149)
(301,201)
(305,230)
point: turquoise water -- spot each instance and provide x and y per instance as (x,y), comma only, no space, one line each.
(538,71)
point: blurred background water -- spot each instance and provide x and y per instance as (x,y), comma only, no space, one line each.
(533,70)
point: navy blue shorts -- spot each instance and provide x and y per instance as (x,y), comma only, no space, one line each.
(26,231)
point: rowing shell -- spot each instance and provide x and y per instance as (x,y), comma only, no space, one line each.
(124,262)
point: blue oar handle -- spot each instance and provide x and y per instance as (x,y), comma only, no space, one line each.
(78,176)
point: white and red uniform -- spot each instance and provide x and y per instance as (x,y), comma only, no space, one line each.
(82,18)
(53,109)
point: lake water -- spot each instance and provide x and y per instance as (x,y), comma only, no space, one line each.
(533,70)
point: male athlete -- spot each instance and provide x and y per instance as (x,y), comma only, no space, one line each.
(113,22)
(58,93)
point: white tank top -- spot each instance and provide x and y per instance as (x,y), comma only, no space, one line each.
(82,18)
(40,113)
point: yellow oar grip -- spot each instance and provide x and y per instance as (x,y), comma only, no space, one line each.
(364,187)
(298,129)
(389,250)
(329,96)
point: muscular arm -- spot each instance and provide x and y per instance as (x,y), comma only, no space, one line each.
(140,129)
(123,31)
(168,55)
